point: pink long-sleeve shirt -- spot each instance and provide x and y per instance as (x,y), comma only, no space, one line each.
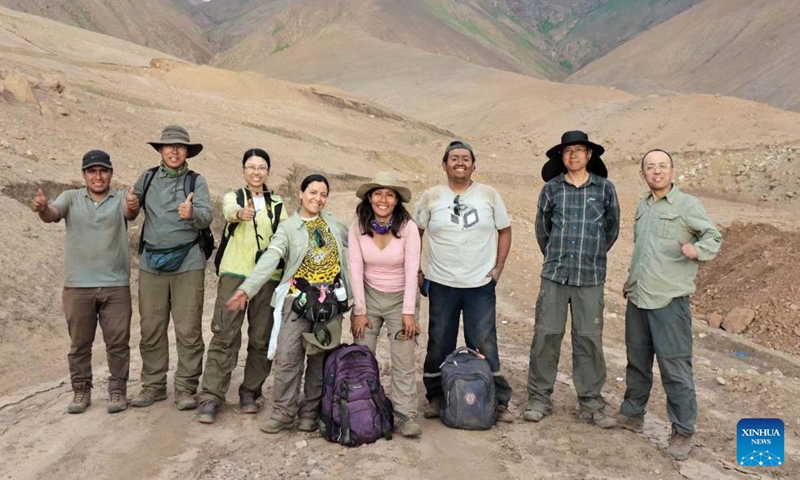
(393,269)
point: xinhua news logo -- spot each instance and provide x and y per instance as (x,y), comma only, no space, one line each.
(759,442)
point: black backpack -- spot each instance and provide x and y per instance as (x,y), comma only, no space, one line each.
(242,195)
(469,390)
(204,237)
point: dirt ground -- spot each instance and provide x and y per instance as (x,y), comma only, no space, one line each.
(116,101)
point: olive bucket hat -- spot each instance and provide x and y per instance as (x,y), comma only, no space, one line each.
(175,134)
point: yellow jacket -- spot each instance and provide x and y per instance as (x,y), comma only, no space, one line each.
(239,257)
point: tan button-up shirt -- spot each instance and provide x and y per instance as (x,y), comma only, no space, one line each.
(659,272)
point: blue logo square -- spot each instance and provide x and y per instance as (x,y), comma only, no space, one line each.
(759,442)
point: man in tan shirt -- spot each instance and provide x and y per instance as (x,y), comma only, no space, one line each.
(672,236)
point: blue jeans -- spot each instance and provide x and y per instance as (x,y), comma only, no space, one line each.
(480,333)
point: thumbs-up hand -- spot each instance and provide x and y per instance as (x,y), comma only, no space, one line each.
(185,209)
(131,200)
(249,212)
(688,250)
(39,201)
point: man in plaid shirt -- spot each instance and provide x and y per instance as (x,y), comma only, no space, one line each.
(577,222)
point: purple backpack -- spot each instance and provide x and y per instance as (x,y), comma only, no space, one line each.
(355,409)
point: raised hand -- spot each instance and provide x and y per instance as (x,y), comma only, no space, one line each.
(39,201)
(131,201)
(185,209)
(248,212)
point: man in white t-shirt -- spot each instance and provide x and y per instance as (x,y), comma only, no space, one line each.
(469,236)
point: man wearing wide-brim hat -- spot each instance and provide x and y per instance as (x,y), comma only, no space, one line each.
(577,222)
(171,268)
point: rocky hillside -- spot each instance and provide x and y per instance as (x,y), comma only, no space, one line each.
(171,26)
(579,31)
(732,47)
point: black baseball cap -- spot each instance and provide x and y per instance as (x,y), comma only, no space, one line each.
(96,157)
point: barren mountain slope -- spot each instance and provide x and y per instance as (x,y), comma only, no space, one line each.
(171,26)
(93,91)
(579,31)
(110,98)
(507,110)
(733,47)
(469,30)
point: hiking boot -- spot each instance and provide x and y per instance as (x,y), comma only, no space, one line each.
(307,425)
(81,399)
(504,414)
(147,397)
(247,401)
(679,445)
(117,402)
(208,412)
(408,426)
(185,400)
(433,409)
(634,424)
(274,425)
(598,418)
(532,415)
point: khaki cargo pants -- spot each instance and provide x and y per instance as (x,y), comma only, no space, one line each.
(387,309)
(181,295)
(223,351)
(287,369)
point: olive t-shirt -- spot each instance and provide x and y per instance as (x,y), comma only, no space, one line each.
(96,250)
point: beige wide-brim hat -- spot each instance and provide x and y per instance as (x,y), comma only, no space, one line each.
(384,180)
(175,134)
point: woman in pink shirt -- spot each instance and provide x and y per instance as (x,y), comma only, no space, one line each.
(383,256)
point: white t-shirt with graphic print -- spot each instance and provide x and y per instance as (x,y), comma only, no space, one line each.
(462,233)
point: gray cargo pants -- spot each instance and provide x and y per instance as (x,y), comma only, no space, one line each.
(667,333)
(588,362)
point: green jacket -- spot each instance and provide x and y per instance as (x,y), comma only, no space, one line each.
(240,253)
(290,243)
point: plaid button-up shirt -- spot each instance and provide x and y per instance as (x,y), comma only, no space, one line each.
(575,228)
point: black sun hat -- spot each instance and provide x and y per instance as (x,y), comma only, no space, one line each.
(555,164)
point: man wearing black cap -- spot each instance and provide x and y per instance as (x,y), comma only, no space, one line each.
(172,269)
(96,278)
(577,222)
(465,220)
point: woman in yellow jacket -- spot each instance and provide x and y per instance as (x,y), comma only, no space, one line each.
(252,214)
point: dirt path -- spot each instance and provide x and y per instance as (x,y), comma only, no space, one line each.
(39,440)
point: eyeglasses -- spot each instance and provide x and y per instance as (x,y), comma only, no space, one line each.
(567,152)
(175,146)
(254,168)
(661,166)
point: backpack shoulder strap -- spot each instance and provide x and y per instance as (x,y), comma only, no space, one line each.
(190,181)
(149,174)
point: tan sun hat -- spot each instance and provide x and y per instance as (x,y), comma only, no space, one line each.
(384,180)
(175,134)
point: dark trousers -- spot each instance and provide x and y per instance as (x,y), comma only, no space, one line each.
(667,334)
(478,306)
(588,362)
(223,350)
(110,307)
